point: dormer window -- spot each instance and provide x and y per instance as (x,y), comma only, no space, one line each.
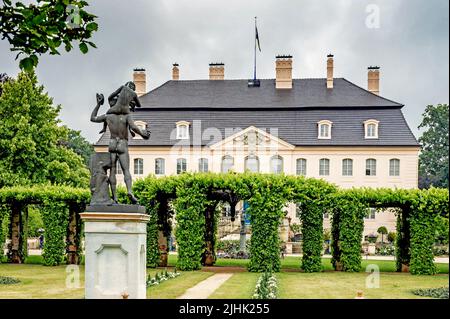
(324,129)
(371,128)
(142,126)
(182,130)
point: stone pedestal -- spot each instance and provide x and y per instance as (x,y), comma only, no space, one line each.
(115,253)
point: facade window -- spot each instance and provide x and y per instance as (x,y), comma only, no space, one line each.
(394,167)
(324,167)
(347,167)
(301,166)
(181,165)
(118,168)
(138,166)
(371,167)
(276,164)
(160,166)
(227,163)
(326,215)
(370,213)
(182,130)
(252,163)
(203,165)
(371,128)
(324,127)
(226,212)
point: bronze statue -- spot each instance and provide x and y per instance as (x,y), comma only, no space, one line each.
(119,121)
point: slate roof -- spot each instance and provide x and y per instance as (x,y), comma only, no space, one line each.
(229,105)
(235,94)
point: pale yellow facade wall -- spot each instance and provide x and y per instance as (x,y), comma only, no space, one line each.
(408,157)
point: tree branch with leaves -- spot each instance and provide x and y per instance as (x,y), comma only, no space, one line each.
(44,26)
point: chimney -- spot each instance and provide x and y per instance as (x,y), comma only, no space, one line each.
(373,79)
(175,72)
(216,71)
(139,79)
(330,69)
(283,68)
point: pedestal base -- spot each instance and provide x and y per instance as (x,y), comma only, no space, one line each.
(115,255)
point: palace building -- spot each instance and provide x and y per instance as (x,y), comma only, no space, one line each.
(326,128)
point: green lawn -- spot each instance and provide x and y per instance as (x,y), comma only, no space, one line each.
(38,281)
(339,285)
(239,286)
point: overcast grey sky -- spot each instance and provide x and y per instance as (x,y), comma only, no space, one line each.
(411,45)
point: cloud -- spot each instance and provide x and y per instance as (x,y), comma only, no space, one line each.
(411,46)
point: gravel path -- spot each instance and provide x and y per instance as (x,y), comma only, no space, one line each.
(205,288)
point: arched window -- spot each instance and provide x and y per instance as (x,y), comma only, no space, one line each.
(371,167)
(347,167)
(252,163)
(227,163)
(181,165)
(203,165)
(160,166)
(182,130)
(301,166)
(324,129)
(138,166)
(371,129)
(276,164)
(394,167)
(324,167)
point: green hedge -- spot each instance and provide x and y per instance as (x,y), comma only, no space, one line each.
(54,203)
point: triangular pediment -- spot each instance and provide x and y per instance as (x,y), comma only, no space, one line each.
(252,137)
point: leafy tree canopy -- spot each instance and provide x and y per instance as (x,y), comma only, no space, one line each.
(433,160)
(44,26)
(30,152)
(77,143)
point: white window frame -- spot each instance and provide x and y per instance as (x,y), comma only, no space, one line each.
(394,169)
(369,168)
(345,168)
(272,168)
(182,162)
(222,168)
(203,165)
(366,128)
(163,161)
(324,160)
(246,161)
(321,124)
(301,169)
(138,166)
(182,130)
(371,213)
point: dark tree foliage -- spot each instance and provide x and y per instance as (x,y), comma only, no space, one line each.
(433,159)
(77,143)
(43,26)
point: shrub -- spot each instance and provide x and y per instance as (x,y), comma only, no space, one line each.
(8,280)
(391,236)
(439,293)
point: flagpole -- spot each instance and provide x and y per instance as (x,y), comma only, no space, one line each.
(254,69)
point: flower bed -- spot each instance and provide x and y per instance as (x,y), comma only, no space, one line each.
(8,280)
(266,287)
(165,275)
(439,293)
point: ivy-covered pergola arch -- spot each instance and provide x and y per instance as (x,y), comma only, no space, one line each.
(60,207)
(416,224)
(195,198)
